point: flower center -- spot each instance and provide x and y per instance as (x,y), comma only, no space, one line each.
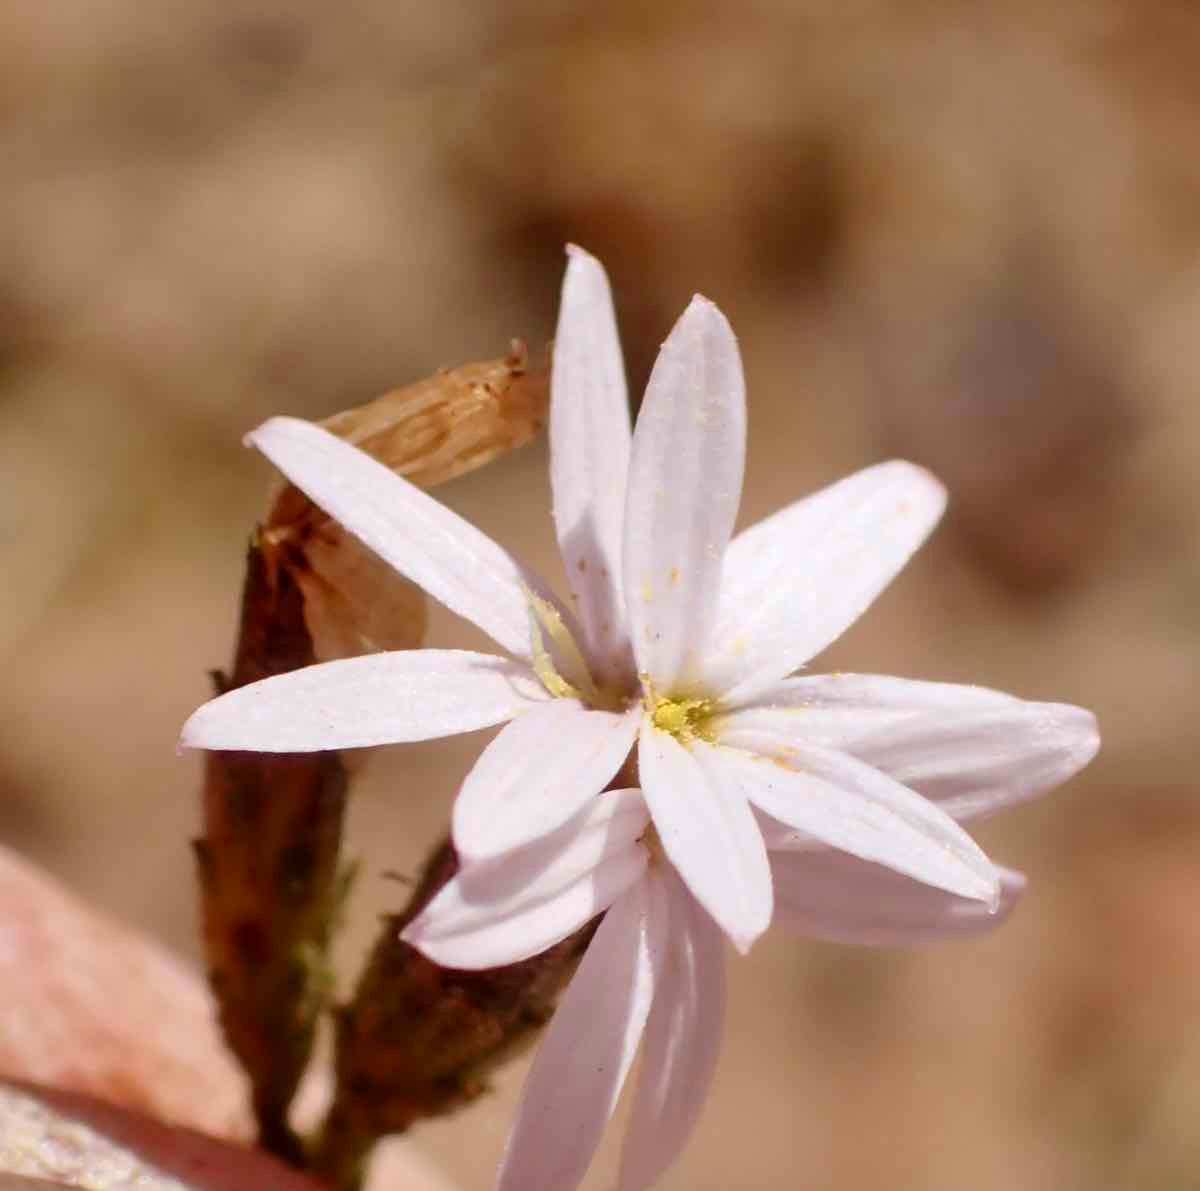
(685,719)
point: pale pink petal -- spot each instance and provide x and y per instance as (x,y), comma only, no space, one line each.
(682,1042)
(857,809)
(453,561)
(971,750)
(709,833)
(585,1056)
(792,584)
(501,911)
(539,772)
(383,698)
(589,459)
(685,481)
(829,895)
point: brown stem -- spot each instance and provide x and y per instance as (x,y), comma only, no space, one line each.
(418,1040)
(268,869)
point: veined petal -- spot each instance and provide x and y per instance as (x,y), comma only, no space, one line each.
(682,1042)
(852,807)
(586,1053)
(839,711)
(501,911)
(453,561)
(539,772)
(709,833)
(792,584)
(589,459)
(383,698)
(839,898)
(971,750)
(685,482)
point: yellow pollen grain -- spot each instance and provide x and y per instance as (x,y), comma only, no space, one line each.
(674,577)
(685,719)
(647,593)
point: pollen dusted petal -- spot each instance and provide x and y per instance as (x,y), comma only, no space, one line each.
(971,750)
(586,1054)
(709,834)
(452,560)
(589,460)
(682,1042)
(856,809)
(792,584)
(685,482)
(539,771)
(383,698)
(501,911)
(839,898)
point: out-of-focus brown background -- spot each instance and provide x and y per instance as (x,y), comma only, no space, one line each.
(968,237)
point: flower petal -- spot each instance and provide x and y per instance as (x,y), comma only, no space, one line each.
(682,1043)
(585,1056)
(502,911)
(382,698)
(453,561)
(971,750)
(857,809)
(589,459)
(685,481)
(832,896)
(792,584)
(539,772)
(709,833)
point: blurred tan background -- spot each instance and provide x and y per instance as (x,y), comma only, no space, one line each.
(967,237)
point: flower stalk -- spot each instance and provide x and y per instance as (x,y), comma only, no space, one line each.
(419,1040)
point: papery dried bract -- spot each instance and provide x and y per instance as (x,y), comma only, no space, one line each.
(430,432)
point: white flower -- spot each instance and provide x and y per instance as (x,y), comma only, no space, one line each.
(653,974)
(684,642)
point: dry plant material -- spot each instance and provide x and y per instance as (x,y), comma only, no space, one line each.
(416,1040)
(419,1040)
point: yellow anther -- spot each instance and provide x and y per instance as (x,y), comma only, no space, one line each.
(685,718)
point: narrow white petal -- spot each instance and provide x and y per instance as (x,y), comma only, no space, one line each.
(685,481)
(585,1056)
(709,833)
(971,750)
(792,584)
(589,459)
(977,764)
(501,911)
(852,807)
(539,772)
(832,896)
(682,1043)
(383,698)
(453,561)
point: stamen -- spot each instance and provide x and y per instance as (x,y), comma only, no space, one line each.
(687,719)
(543,615)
